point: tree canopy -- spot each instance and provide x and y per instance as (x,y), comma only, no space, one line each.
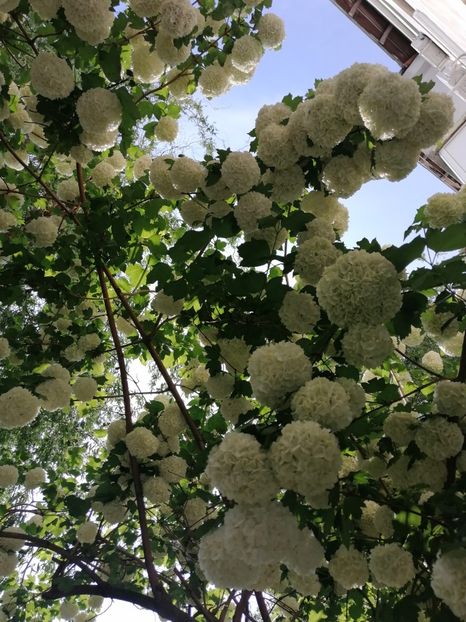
(300,453)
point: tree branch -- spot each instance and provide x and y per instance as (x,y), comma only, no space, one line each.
(461,377)
(262,606)
(242,606)
(157,360)
(154,580)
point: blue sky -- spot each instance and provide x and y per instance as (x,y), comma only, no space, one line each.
(321,41)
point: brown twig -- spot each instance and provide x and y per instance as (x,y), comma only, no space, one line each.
(262,606)
(461,377)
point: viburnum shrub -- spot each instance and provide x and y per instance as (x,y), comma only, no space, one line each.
(300,453)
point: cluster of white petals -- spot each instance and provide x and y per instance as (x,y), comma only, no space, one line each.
(246,53)
(195,512)
(376,520)
(313,256)
(69,610)
(171,421)
(271,30)
(356,395)
(439,438)
(450,398)
(238,467)
(44,230)
(251,207)
(193,212)
(172,469)
(348,568)
(401,427)
(367,346)
(8,562)
(56,393)
(12,544)
(235,353)
(220,386)
(306,458)
(47,9)
(34,478)
(68,189)
(441,324)
(433,361)
(240,171)
(146,8)
(444,209)
(435,118)
(299,312)
(84,388)
(360,288)
(4,348)
(323,401)
(7,219)
(18,407)
(270,535)
(87,532)
(51,76)
(187,174)
(141,443)
(448,580)
(276,370)
(8,475)
(391,565)
(92,19)
(232,408)
(103,174)
(99,111)
(157,490)
(147,65)
(177,17)
(427,472)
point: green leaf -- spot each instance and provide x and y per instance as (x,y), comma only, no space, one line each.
(254,253)
(77,507)
(402,256)
(448,239)
(110,62)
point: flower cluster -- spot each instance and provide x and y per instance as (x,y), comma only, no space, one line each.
(141,443)
(445,209)
(439,438)
(299,312)
(306,458)
(360,288)
(322,401)
(391,565)
(276,370)
(448,580)
(366,346)
(348,568)
(238,467)
(18,407)
(44,230)
(51,76)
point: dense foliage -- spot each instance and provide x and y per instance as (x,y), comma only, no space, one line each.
(300,452)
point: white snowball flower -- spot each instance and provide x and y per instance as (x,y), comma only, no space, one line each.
(51,76)
(448,580)
(444,209)
(8,5)
(238,467)
(12,544)
(401,427)
(157,490)
(251,207)
(214,80)
(323,401)
(99,141)
(313,256)
(360,288)
(56,393)
(147,65)
(348,85)
(69,610)
(159,173)
(436,117)
(34,478)
(276,370)
(99,110)
(343,175)
(87,532)
(195,512)
(367,346)
(390,105)
(275,147)
(146,8)
(415,337)
(246,53)
(171,421)
(320,228)
(271,30)
(44,230)
(220,386)
(103,174)
(47,9)
(89,342)
(114,512)
(68,190)
(450,398)
(193,213)
(92,19)
(187,174)
(268,114)
(240,171)
(306,458)
(118,161)
(8,475)
(348,568)
(432,360)
(167,129)
(232,408)
(439,325)
(235,353)
(439,439)
(84,388)
(168,52)
(391,565)
(356,395)
(172,469)
(4,348)
(8,561)
(141,443)
(177,17)
(299,312)
(141,166)
(288,184)
(7,220)
(18,407)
